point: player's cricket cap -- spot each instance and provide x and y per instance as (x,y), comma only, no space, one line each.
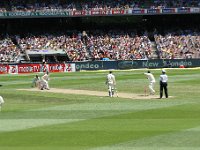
(163,70)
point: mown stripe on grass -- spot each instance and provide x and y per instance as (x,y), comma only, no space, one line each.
(184,139)
(145,148)
(22,124)
(75,112)
(117,105)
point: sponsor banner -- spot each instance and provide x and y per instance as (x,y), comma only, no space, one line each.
(44,67)
(56,67)
(20,13)
(95,12)
(118,12)
(195,10)
(28,68)
(138,11)
(99,12)
(70,67)
(153,11)
(4,69)
(96,65)
(33,68)
(65,13)
(168,10)
(53,13)
(168,63)
(2,14)
(89,65)
(13,69)
(79,13)
(34,14)
(183,10)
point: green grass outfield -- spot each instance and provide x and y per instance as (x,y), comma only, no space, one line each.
(53,121)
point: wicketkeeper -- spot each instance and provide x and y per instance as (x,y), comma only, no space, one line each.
(35,81)
(110,81)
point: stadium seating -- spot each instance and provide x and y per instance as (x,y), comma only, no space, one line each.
(81,47)
(9,52)
(176,47)
(39,5)
(99,45)
(113,45)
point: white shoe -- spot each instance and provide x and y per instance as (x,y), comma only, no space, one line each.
(153,93)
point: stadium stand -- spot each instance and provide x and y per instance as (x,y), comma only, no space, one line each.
(178,46)
(112,46)
(83,39)
(9,52)
(118,45)
(96,46)
(56,5)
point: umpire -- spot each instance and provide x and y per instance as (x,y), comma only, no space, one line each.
(163,84)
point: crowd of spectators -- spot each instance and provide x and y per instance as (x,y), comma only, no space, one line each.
(172,46)
(99,45)
(175,3)
(73,45)
(9,52)
(119,45)
(60,5)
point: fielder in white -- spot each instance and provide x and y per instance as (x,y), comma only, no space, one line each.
(152,82)
(45,79)
(110,81)
(1,102)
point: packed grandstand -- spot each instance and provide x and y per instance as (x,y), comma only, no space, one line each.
(93,38)
(38,5)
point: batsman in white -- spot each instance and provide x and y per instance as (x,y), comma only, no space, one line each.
(45,79)
(152,82)
(110,81)
(1,102)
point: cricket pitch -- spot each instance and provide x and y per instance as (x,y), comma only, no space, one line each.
(95,93)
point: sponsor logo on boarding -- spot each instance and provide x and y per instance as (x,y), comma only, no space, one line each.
(153,11)
(183,10)
(68,68)
(56,67)
(168,10)
(127,64)
(178,63)
(13,69)
(147,64)
(3,69)
(90,66)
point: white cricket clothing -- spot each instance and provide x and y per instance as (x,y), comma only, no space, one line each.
(45,78)
(1,100)
(110,79)
(151,82)
(150,77)
(163,78)
(111,84)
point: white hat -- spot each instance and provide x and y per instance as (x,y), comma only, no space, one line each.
(163,70)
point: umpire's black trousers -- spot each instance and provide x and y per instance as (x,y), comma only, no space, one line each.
(163,85)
